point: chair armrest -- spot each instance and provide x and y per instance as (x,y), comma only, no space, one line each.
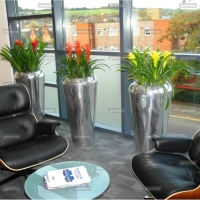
(172,143)
(47,128)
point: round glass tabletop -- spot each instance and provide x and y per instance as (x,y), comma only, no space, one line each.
(34,185)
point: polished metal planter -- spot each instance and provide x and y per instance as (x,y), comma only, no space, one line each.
(34,81)
(149,116)
(80,97)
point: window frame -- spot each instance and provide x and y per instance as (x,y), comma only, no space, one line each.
(147,31)
(111,31)
(136,32)
(100,30)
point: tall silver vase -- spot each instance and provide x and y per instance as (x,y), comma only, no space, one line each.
(149,116)
(34,81)
(80,97)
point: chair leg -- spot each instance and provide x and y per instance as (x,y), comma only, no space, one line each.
(25,174)
(10,178)
(148,197)
(17,175)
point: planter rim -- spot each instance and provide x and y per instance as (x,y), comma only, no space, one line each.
(141,89)
(66,80)
(27,74)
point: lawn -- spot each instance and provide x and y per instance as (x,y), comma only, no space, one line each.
(81,12)
(91,12)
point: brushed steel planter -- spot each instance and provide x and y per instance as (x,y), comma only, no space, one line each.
(80,97)
(149,116)
(34,81)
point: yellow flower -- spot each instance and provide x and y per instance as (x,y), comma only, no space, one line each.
(166,57)
(155,56)
(166,54)
(131,58)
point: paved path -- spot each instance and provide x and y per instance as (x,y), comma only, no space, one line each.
(184,118)
(185,110)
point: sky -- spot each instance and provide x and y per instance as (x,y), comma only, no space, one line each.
(98,3)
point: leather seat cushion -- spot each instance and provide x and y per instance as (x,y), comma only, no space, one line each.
(164,173)
(33,152)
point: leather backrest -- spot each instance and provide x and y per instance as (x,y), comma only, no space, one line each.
(194,151)
(17,130)
(13,99)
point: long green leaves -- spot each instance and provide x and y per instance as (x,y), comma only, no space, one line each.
(150,68)
(79,66)
(22,58)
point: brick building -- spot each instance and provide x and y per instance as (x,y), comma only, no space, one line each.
(142,35)
(106,36)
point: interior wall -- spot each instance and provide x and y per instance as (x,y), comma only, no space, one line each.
(6,71)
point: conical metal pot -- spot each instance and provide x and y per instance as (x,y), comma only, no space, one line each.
(80,97)
(149,116)
(34,81)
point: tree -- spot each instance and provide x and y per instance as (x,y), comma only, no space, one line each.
(142,14)
(184,25)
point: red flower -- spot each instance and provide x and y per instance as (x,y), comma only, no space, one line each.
(18,43)
(78,50)
(69,50)
(34,44)
(88,51)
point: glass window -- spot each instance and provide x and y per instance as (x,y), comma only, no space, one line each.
(112,31)
(99,32)
(92,19)
(41,29)
(49,68)
(136,31)
(100,48)
(51,101)
(147,31)
(36,7)
(112,48)
(108,103)
(168,27)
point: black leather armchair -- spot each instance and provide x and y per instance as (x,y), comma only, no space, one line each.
(171,170)
(25,142)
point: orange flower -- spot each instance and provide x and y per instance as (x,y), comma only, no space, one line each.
(18,43)
(78,50)
(76,63)
(34,44)
(69,50)
(88,51)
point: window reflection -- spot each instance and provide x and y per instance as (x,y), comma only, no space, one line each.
(93,22)
(41,29)
(36,7)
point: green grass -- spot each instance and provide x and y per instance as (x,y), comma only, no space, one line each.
(83,12)
(91,12)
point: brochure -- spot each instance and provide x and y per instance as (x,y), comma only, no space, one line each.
(68,177)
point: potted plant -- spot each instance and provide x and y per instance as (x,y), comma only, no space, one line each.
(150,94)
(26,61)
(79,86)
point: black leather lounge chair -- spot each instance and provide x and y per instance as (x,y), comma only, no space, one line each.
(24,142)
(171,170)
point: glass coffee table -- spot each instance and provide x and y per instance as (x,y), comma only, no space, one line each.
(34,185)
